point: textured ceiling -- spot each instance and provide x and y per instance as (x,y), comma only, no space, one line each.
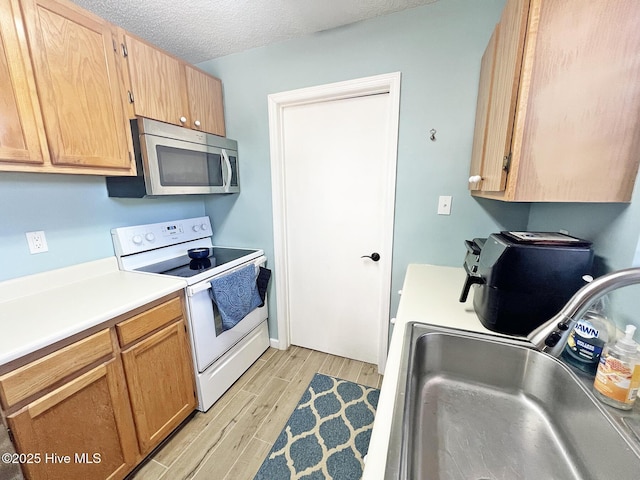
(198,30)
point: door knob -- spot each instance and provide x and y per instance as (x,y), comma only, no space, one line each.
(374,256)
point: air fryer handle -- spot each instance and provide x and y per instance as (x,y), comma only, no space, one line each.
(467,286)
(472,247)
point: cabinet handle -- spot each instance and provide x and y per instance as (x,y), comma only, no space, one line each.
(197,123)
(475,179)
(183,119)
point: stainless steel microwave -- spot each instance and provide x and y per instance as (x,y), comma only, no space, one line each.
(174,160)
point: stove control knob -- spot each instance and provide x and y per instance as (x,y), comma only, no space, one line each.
(150,237)
(196,228)
(137,239)
(203,227)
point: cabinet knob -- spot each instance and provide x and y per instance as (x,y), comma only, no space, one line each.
(197,123)
(475,179)
(183,119)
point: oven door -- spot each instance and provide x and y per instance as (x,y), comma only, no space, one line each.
(176,167)
(208,340)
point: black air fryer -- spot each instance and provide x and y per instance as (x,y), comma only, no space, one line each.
(524,278)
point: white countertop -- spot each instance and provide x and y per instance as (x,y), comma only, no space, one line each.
(39,310)
(430,294)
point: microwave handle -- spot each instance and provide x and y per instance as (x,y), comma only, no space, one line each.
(227,181)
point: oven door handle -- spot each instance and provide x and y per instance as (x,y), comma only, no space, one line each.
(206,285)
(197,288)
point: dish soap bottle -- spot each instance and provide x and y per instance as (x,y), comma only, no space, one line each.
(588,338)
(618,375)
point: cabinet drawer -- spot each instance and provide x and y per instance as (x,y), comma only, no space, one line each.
(137,327)
(34,377)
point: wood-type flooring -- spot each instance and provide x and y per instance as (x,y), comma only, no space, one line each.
(231,440)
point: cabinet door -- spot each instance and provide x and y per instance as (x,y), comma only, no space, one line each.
(88,420)
(158,83)
(21,134)
(504,88)
(205,102)
(161,384)
(74,56)
(580,138)
(482,110)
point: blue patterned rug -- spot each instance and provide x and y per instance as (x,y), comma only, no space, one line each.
(327,435)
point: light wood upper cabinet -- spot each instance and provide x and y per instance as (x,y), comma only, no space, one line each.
(558,118)
(81,88)
(482,110)
(158,83)
(66,88)
(205,101)
(167,89)
(21,133)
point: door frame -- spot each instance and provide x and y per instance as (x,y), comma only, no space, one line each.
(277,103)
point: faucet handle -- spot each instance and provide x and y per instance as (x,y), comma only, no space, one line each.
(553,339)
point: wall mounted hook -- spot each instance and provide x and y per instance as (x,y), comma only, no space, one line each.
(433,134)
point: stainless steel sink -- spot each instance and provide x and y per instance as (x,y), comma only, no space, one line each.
(474,407)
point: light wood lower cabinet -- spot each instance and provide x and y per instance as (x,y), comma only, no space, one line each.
(108,400)
(81,430)
(156,370)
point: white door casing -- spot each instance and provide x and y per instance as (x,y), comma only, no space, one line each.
(283,106)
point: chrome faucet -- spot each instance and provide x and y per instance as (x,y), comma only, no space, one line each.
(552,336)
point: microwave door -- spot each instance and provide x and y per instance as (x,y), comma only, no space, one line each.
(173,167)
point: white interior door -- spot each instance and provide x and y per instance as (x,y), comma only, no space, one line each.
(336,192)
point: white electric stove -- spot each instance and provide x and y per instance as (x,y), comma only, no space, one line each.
(220,356)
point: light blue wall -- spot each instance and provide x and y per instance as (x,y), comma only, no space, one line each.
(437,48)
(76,215)
(614,230)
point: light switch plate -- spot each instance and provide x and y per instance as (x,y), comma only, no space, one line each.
(444,205)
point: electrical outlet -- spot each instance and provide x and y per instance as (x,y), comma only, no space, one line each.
(37,242)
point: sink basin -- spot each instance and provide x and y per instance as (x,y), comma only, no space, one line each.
(474,407)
